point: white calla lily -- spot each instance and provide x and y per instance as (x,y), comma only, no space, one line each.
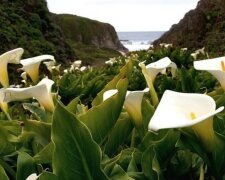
(33,176)
(41,92)
(49,65)
(214,66)
(178,110)
(31,65)
(132,103)
(3,105)
(160,66)
(13,57)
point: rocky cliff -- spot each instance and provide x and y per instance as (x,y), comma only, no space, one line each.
(90,32)
(28,24)
(202,27)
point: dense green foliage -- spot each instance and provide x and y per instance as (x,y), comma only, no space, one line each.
(88,138)
(28,24)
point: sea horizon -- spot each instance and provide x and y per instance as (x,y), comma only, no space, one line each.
(138,40)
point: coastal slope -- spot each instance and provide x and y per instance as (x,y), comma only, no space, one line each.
(96,38)
(28,24)
(202,27)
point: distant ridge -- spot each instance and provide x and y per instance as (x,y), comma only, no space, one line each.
(202,27)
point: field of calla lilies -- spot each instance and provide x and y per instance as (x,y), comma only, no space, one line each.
(156,114)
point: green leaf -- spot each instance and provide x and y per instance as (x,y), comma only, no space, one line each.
(147,163)
(101,119)
(158,154)
(147,112)
(119,134)
(72,106)
(41,130)
(3,175)
(76,155)
(37,111)
(47,176)
(119,174)
(25,166)
(7,141)
(125,71)
(45,155)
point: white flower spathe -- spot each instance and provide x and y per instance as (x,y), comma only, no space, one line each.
(132,103)
(33,176)
(13,57)
(160,66)
(176,110)
(41,92)
(214,66)
(31,65)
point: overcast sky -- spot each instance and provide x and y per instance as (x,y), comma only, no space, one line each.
(127,15)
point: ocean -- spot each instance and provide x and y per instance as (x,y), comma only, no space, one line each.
(134,41)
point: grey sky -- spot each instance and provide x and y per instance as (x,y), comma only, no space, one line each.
(127,15)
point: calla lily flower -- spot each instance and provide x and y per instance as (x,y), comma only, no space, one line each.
(3,105)
(33,176)
(178,110)
(49,65)
(31,65)
(13,57)
(41,92)
(214,66)
(132,103)
(160,66)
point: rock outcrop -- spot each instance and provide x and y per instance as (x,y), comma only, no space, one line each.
(202,27)
(90,32)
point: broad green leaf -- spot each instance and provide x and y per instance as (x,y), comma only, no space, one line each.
(47,176)
(37,111)
(25,166)
(101,119)
(158,154)
(76,155)
(119,174)
(125,71)
(147,163)
(72,106)
(147,112)
(132,167)
(7,141)
(137,175)
(3,175)
(41,130)
(119,134)
(45,155)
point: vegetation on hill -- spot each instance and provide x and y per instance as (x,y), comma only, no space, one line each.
(201,27)
(92,40)
(28,24)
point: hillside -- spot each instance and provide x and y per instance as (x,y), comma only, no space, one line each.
(202,27)
(28,24)
(92,40)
